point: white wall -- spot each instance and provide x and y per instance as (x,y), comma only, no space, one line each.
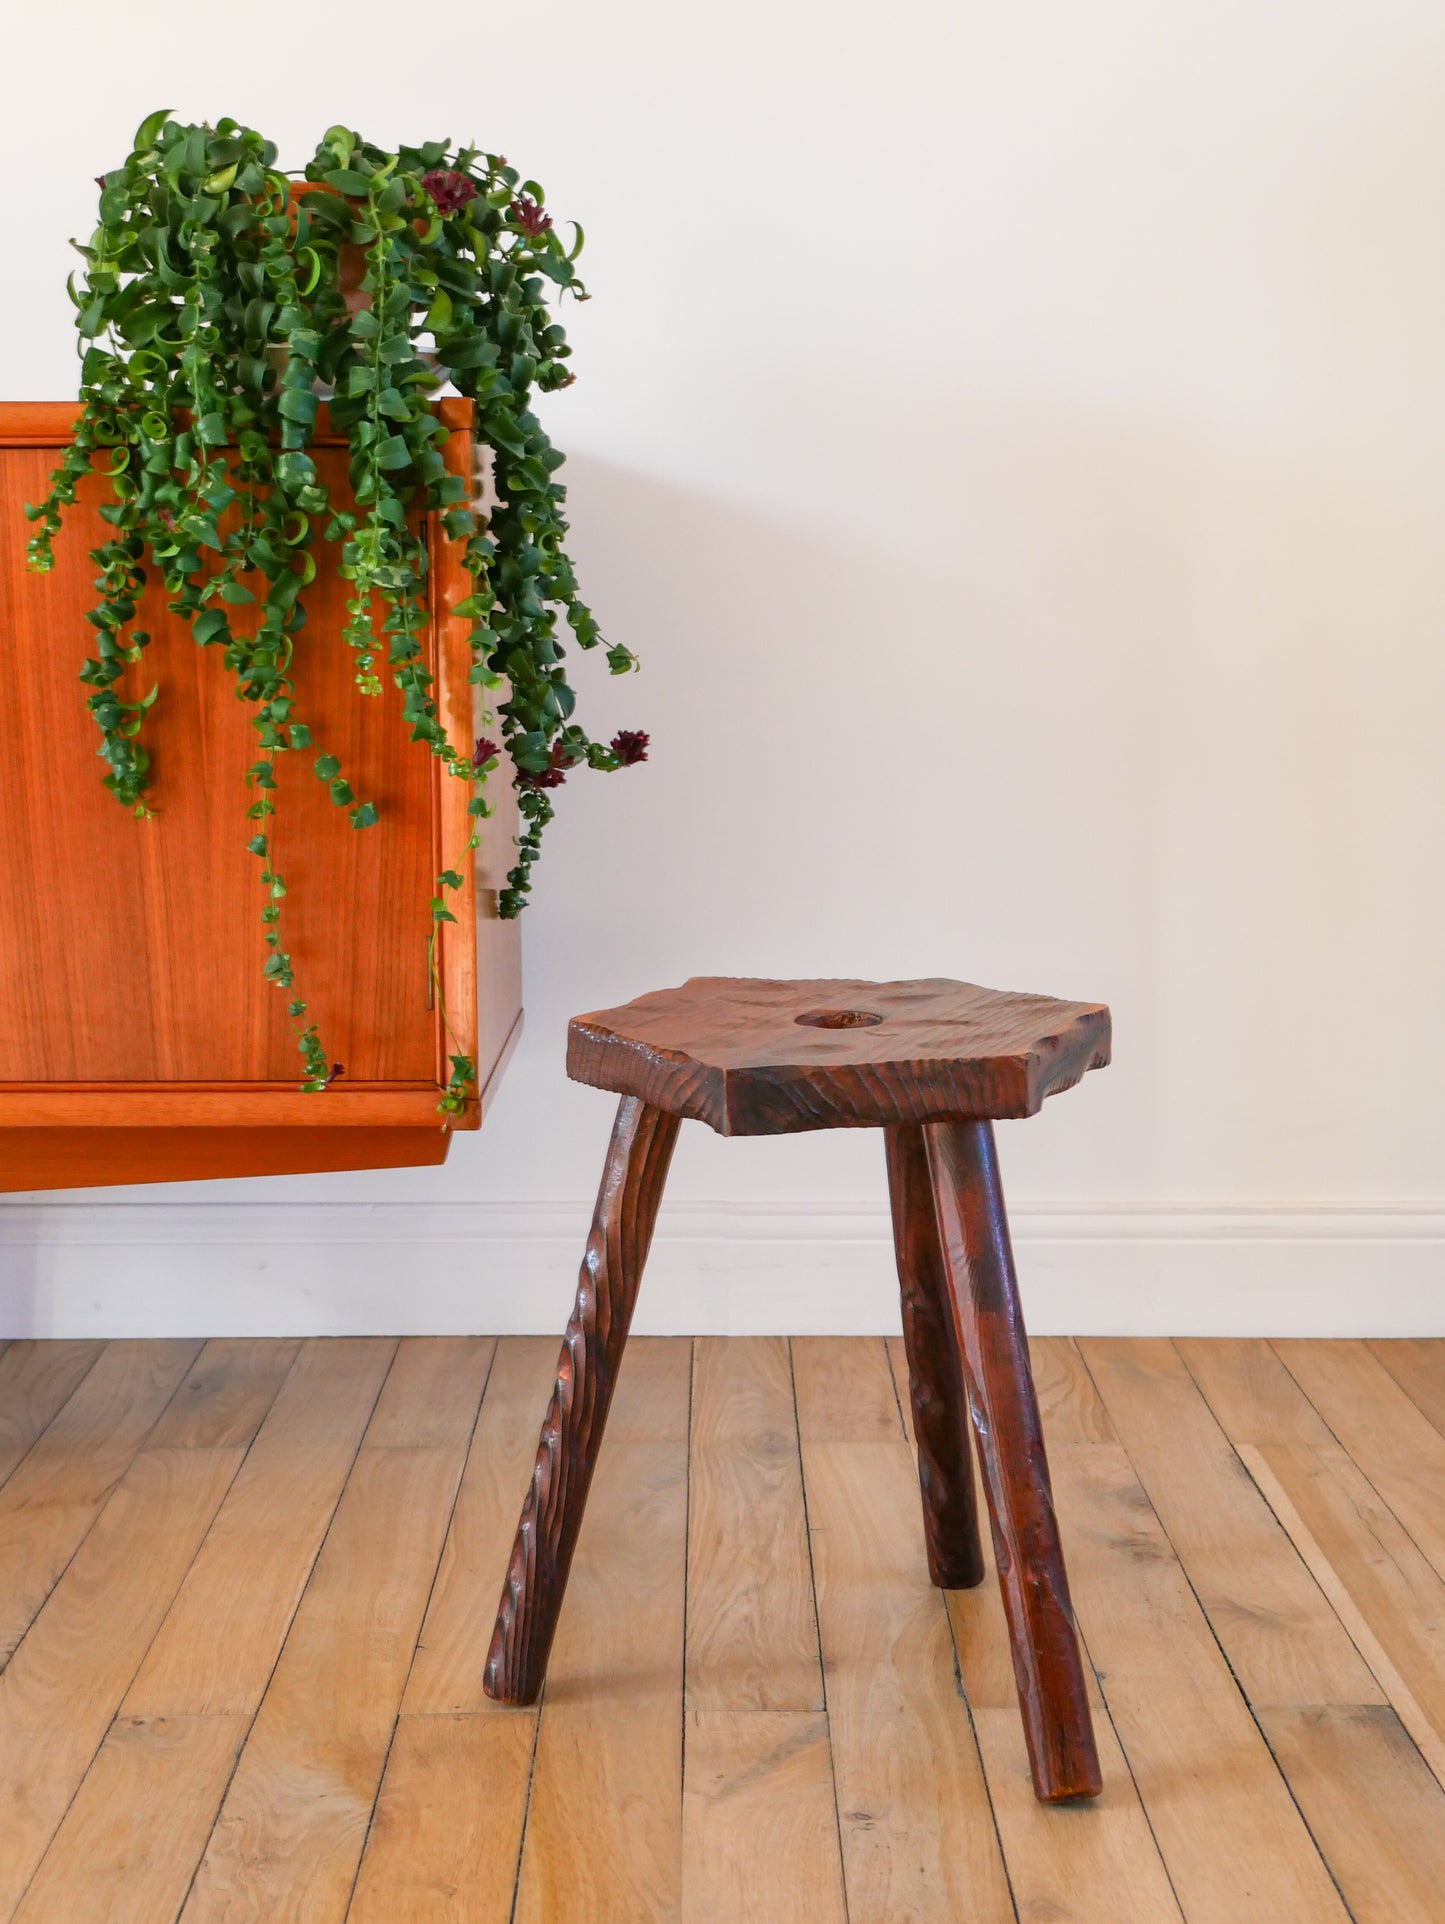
(1013,436)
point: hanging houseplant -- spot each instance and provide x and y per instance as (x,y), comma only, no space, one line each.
(219,302)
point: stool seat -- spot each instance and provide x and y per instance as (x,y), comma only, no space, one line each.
(931,1064)
(758,1057)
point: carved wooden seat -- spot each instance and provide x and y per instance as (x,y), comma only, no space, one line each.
(933,1063)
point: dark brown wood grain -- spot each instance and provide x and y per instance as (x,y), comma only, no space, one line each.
(973,1230)
(762,1058)
(931,1061)
(935,1369)
(632,1181)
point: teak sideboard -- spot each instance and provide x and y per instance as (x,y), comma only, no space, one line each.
(138,1041)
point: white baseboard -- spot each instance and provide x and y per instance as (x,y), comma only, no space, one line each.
(264,1268)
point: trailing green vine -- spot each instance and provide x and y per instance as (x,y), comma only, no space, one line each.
(219,302)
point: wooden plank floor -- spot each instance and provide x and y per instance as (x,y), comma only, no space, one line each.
(246,1589)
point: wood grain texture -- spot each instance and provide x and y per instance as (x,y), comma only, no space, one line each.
(627,1203)
(57,1491)
(447,1672)
(1235,1846)
(290,1834)
(936,1393)
(1070,1406)
(99,1157)
(1394,1444)
(1094,1863)
(759,1824)
(918,1837)
(152,977)
(225,1395)
(130,1841)
(604,1826)
(162,981)
(1283,1641)
(447,1832)
(752,1638)
(456,941)
(1090,1863)
(1418,1366)
(644,1805)
(1374,1809)
(764,1058)
(973,1230)
(1381,1587)
(222,1635)
(852,1401)
(1252,1394)
(37,1380)
(220,1106)
(38,424)
(1388,1599)
(65,1682)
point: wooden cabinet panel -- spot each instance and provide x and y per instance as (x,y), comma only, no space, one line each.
(131,995)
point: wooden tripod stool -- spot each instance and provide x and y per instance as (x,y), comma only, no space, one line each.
(932,1063)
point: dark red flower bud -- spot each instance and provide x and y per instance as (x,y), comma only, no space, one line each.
(336,1070)
(483,752)
(100,180)
(552,776)
(529,216)
(629,745)
(449,189)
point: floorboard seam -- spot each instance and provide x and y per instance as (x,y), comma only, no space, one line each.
(960,1690)
(104,1503)
(1209,1623)
(818,1635)
(180,1584)
(286,1635)
(1375,1491)
(84,1379)
(686,1585)
(1118,1739)
(1374,1345)
(1436,1564)
(1399,1698)
(527,1795)
(420,1627)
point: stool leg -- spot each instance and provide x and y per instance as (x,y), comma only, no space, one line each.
(632,1180)
(935,1369)
(973,1230)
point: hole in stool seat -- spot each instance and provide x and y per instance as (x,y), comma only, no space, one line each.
(838,1019)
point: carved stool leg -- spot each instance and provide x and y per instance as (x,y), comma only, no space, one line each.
(632,1180)
(935,1369)
(973,1230)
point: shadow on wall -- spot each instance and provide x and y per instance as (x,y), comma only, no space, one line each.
(1062,702)
(900,726)
(1055,701)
